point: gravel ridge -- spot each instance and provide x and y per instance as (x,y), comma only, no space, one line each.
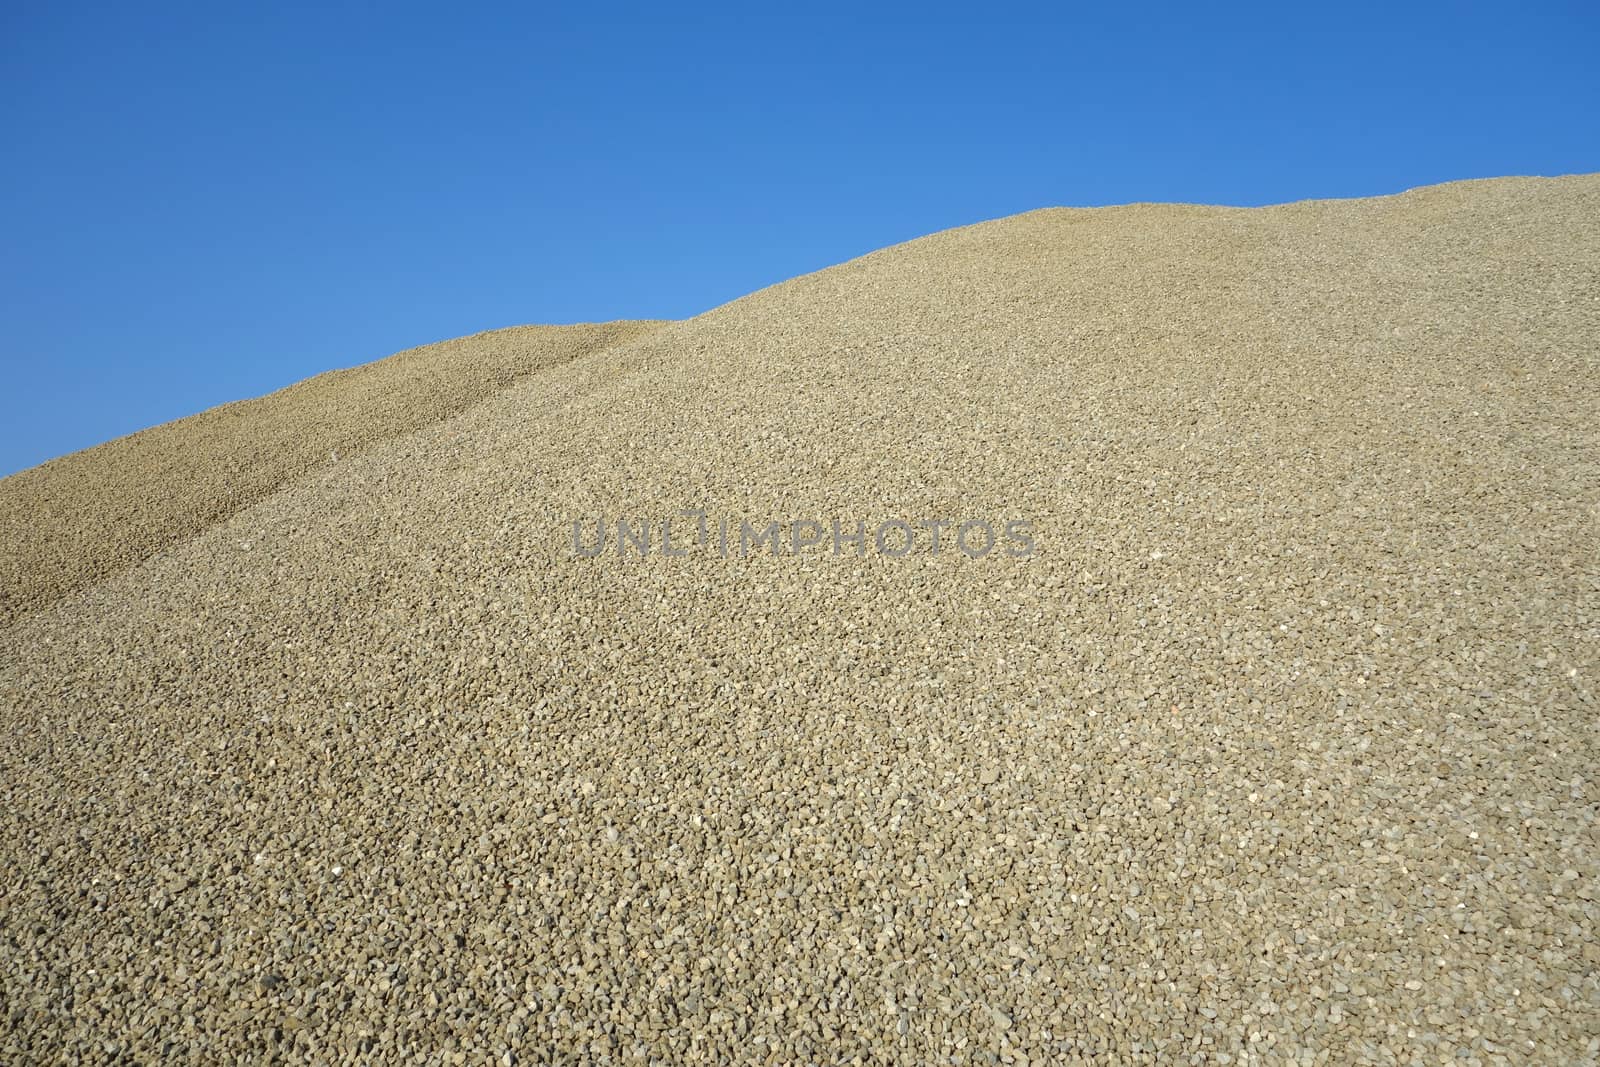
(78,518)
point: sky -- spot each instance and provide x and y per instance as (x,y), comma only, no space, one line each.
(203,203)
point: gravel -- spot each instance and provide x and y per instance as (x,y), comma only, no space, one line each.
(77,519)
(1278,748)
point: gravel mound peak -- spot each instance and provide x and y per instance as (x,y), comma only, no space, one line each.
(623,708)
(80,518)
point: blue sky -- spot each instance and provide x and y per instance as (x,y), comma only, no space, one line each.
(202,204)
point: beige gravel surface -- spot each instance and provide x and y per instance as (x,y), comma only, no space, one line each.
(83,517)
(1278,748)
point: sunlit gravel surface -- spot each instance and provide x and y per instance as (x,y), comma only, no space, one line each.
(1278,748)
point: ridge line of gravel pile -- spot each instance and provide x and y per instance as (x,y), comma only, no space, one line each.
(81,517)
(1279,749)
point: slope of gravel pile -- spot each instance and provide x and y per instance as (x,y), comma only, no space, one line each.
(80,518)
(1279,747)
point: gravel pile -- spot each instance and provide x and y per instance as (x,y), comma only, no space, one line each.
(80,518)
(1278,746)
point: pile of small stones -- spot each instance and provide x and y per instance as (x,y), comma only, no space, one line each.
(1276,748)
(83,517)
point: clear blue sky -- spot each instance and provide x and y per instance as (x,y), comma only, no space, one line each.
(202,205)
